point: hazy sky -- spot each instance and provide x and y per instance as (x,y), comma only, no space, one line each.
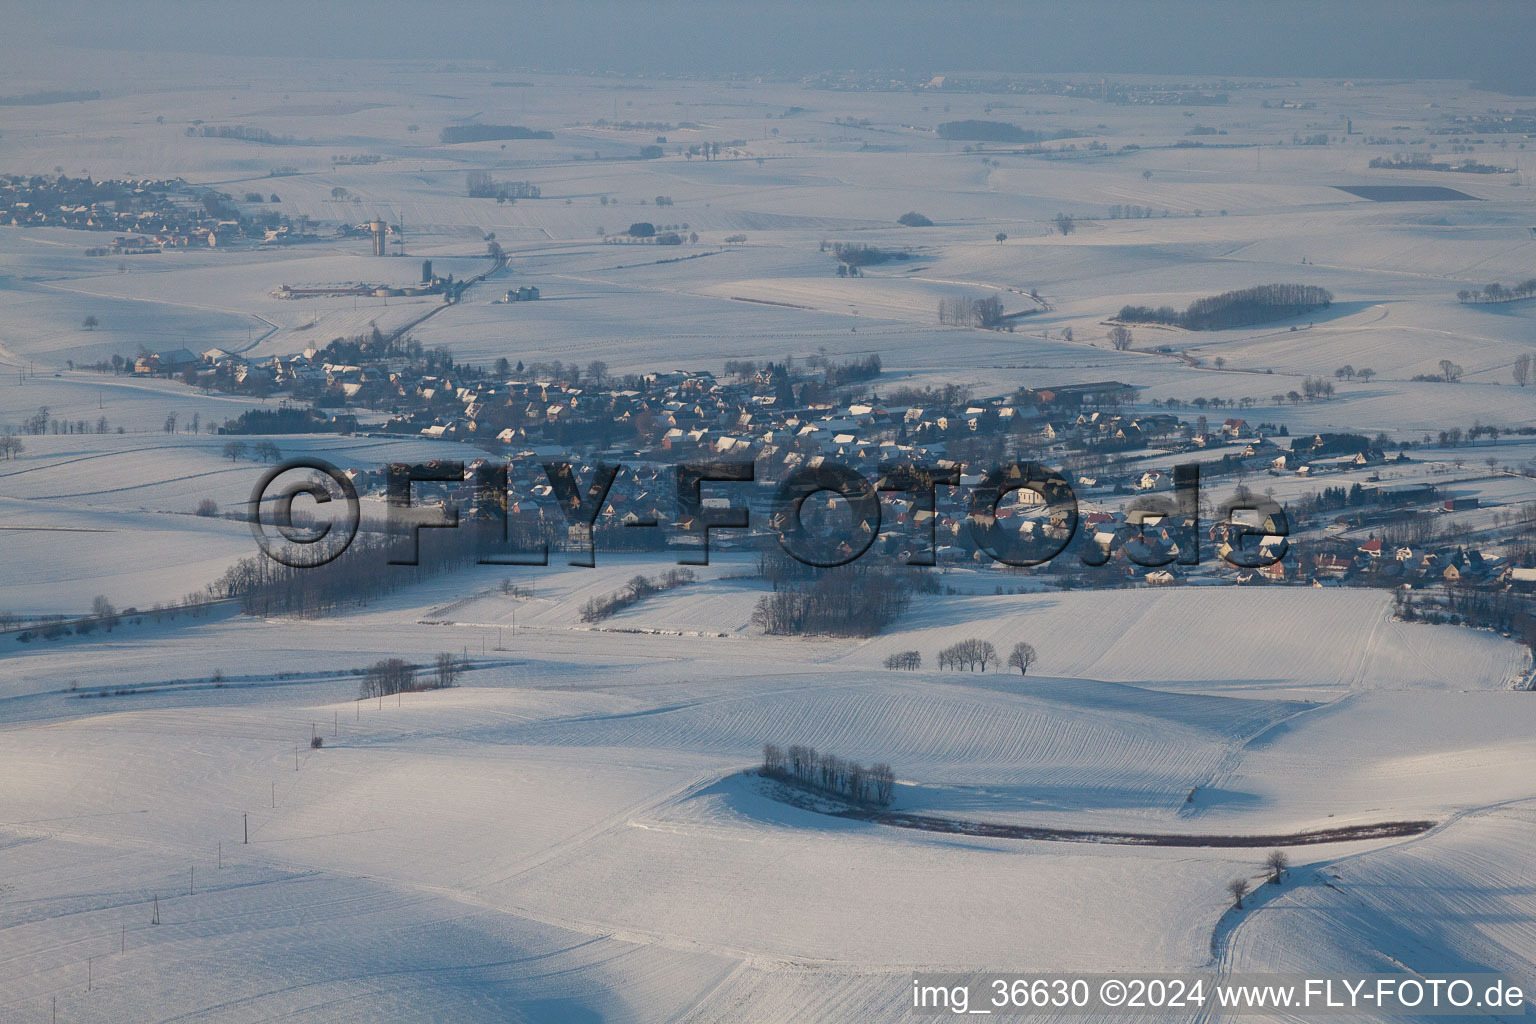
(1476,39)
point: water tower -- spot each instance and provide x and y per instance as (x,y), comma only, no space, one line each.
(380,232)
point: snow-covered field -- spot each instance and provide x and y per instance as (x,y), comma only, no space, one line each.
(570,835)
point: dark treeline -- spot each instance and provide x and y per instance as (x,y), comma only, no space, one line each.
(853,371)
(266,587)
(1256,305)
(994,131)
(849,600)
(244,133)
(39,99)
(283,420)
(827,773)
(363,572)
(489,133)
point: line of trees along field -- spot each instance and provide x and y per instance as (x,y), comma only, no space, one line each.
(1259,304)
(636,590)
(390,676)
(1496,292)
(830,774)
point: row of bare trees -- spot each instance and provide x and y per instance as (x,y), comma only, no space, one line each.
(973,654)
(829,773)
(1496,292)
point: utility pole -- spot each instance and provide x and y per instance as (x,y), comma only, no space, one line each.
(90,963)
(221,855)
(155,914)
(245,821)
(274,794)
(335,724)
(122,938)
(296,755)
(192,881)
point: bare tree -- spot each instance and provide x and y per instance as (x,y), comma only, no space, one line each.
(884,780)
(1120,337)
(1064,223)
(1522,369)
(1022,656)
(773,759)
(102,609)
(234,450)
(447,668)
(1276,862)
(1238,888)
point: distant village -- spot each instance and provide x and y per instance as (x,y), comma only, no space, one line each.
(1118,459)
(151,215)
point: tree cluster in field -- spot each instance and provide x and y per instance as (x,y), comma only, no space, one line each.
(390,676)
(1496,292)
(481,185)
(848,600)
(636,590)
(1241,308)
(859,255)
(1348,372)
(1450,373)
(904,661)
(827,773)
(967,311)
(853,371)
(913,219)
(1275,863)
